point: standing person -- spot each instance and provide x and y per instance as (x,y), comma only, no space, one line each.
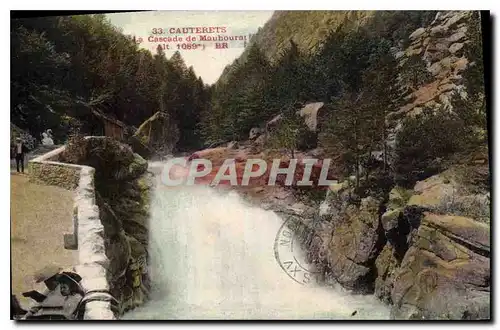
(21,150)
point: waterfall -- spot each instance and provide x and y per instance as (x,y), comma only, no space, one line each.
(212,257)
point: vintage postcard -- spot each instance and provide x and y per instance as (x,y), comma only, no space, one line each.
(250,165)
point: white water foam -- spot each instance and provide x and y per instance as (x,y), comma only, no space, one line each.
(212,258)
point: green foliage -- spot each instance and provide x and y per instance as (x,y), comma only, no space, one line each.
(65,66)
(76,148)
(306,139)
(472,109)
(239,103)
(356,125)
(425,142)
(34,64)
(286,136)
(398,25)
(414,73)
(474,75)
(310,195)
(16,132)
(353,71)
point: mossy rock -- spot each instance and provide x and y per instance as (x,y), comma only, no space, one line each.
(445,274)
(390,219)
(138,250)
(138,167)
(111,159)
(139,145)
(386,265)
(118,252)
(398,197)
(111,223)
(137,231)
(356,240)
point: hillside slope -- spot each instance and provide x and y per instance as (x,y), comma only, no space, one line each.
(306,28)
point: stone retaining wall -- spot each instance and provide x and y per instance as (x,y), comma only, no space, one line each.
(88,231)
(45,170)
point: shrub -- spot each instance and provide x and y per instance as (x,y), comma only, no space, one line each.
(424,143)
(76,148)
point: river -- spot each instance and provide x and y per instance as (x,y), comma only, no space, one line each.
(212,257)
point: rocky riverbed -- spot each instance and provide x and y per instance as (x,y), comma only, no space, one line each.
(424,251)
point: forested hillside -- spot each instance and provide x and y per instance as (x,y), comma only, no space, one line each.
(62,67)
(301,67)
(367,86)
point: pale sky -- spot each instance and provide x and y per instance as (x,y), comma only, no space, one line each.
(207,63)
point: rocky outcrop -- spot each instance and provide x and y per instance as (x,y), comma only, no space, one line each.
(425,251)
(439,55)
(460,190)
(356,241)
(441,48)
(446,272)
(255,132)
(386,266)
(310,114)
(440,260)
(122,186)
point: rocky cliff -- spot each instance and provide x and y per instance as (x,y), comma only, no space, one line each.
(425,251)
(442,55)
(442,47)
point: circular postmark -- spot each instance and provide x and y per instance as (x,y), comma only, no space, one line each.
(289,255)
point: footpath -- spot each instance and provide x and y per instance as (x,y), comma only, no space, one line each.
(39,216)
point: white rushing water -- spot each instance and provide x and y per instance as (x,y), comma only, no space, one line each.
(212,257)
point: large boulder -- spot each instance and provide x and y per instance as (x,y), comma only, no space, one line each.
(437,239)
(255,132)
(118,253)
(113,161)
(356,241)
(310,114)
(133,207)
(461,190)
(446,273)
